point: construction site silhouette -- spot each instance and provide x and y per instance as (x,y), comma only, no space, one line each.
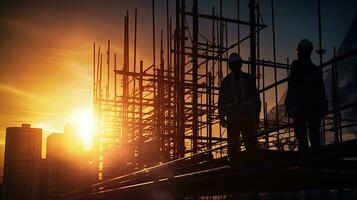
(203,122)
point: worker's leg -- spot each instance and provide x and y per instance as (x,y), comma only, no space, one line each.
(301,133)
(233,137)
(314,132)
(249,132)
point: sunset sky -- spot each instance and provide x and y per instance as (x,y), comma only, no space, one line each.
(46,47)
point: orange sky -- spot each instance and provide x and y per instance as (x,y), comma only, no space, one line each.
(46,62)
(46,50)
(50,77)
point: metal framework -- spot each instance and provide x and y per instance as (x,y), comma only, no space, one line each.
(167,111)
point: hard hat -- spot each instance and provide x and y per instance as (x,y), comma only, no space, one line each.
(305,43)
(234,57)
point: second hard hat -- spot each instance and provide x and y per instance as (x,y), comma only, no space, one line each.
(234,57)
(305,43)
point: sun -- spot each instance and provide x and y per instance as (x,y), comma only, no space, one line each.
(85,122)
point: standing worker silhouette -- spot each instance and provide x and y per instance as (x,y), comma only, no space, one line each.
(239,107)
(306,99)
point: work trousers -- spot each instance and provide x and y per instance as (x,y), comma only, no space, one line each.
(248,129)
(302,123)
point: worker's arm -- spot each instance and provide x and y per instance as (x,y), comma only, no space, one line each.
(221,106)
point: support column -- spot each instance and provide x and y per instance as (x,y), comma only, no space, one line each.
(195,74)
(252,4)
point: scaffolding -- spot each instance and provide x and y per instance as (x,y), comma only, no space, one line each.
(151,114)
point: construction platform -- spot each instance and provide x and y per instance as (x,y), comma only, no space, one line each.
(333,168)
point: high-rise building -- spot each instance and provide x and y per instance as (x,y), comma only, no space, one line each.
(43,181)
(22,163)
(68,167)
(56,166)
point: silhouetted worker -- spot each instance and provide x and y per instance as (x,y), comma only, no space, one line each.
(239,107)
(306,99)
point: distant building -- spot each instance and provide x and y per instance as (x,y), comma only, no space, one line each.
(56,166)
(43,181)
(22,163)
(68,167)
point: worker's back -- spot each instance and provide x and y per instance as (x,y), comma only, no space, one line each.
(306,89)
(239,96)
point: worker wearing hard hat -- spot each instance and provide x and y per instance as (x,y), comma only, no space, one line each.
(239,107)
(306,100)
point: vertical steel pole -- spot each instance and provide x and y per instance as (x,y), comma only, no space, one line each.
(171,98)
(141,140)
(94,83)
(275,72)
(182,80)
(289,120)
(97,81)
(195,73)
(226,46)
(258,46)
(134,64)
(320,51)
(339,123)
(238,24)
(161,103)
(108,71)
(208,106)
(153,32)
(219,62)
(265,118)
(167,89)
(211,79)
(177,88)
(168,35)
(220,73)
(115,98)
(252,4)
(108,81)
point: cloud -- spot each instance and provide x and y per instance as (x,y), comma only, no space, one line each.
(75,63)
(19,26)
(19,106)
(28,95)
